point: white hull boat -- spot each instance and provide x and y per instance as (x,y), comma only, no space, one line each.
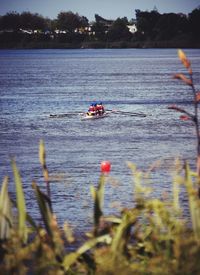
(86,116)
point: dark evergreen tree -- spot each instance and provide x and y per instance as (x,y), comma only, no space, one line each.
(194,24)
(146,22)
(33,21)
(119,31)
(70,21)
(10,21)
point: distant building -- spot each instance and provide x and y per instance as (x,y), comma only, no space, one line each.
(60,31)
(132,28)
(26,31)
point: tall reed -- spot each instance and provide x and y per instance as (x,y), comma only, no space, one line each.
(194,117)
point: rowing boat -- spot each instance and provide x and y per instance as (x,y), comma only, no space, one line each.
(86,116)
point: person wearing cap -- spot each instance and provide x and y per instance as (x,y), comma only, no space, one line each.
(92,110)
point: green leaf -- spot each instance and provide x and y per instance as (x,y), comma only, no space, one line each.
(122,231)
(6,218)
(45,208)
(42,153)
(193,202)
(98,202)
(21,205)
(71,258)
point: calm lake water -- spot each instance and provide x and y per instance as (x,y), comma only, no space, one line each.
(37,83)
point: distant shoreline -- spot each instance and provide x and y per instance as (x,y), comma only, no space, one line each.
(101,45)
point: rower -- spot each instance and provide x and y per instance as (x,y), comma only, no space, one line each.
(100,108)
(92,110)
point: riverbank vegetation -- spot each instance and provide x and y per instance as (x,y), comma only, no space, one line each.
(71,30)
(151,237)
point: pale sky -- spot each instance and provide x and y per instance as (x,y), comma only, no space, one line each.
(109,9)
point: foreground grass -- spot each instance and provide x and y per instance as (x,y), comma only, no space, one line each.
(151,238)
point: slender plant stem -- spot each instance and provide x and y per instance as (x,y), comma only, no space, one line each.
(196,118)
(196,121)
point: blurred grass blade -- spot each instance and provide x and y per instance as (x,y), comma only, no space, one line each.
(123,230)
(71,258)
(49,219)
(42,158)
(98,202)
(29,219)
(177,181)
(42,153)
(21,206)
(45,208)
(68,233)
(193,203)
(6,217)
(176,192)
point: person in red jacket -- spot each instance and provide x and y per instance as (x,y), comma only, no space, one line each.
(92,110)
(100,109)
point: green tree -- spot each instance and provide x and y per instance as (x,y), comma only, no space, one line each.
(125,20)
(146,22)
(194,23)
(70,21)
(10,21)
(119,31)
(170,26)
(100,30)
(33,21)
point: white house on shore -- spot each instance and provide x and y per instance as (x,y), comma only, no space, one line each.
(132,28)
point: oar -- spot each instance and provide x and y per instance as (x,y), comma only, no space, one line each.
(127,113)
(66,114)
(132,114)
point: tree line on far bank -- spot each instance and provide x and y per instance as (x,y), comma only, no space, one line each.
(71,30)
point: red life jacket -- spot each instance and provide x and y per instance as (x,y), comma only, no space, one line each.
(99,107)
(91,109)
